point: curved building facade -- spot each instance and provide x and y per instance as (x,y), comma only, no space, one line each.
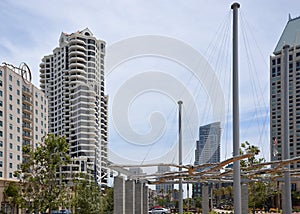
(72,78)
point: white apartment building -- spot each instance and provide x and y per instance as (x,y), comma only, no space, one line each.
(23,120)
(72,78)
(289,37)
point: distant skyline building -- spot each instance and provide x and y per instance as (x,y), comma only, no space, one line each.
(72,78)
(136,171)
(164,189)
(23,120)
(208,145)
(290,36)
(207,149)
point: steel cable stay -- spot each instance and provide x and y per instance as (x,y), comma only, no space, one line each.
(258,93)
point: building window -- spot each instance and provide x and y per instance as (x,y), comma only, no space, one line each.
(10,175)
(10,116)
(0,82)
(10,155)
(1,113)
(1,103)
(1,143)
(1,93)
(18,157)
(18,110)
(10,87)
(18,92)
(10,97)
(18,129)
(1,163)
(18,82)
(10,145)
(10,165)
(18,120)
(10,126)
(18,101)
(18,138)
(1,174)
(1,123)
(1,134)
(18,148)
(10,77)
(10,107)
(10,136)
(1,154)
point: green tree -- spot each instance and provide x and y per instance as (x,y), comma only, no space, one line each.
(12,195)
(42,189)
(261,188)
(90,200)
(108,200)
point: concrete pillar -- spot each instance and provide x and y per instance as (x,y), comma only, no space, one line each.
(244,199)
(130,197)
(138,198)
(283,197)
(145,199)
(119,195)
(205,199)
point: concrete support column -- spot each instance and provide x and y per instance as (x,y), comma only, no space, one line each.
(119,195)
(139,198)
(205,199)
(130,197)
(244,198)
(145,199)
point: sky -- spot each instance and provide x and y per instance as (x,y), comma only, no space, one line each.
(30,30)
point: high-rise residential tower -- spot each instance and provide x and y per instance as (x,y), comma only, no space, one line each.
(72,78)
(23,120)
(207,149)
(208,146)
(290,36)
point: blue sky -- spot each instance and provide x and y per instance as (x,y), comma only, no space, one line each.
(31,29)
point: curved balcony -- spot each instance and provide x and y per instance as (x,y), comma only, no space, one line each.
(75,41)
(77,78)
(42,78)
(26,101)
(26,110)
(42,71)
(78,65)
(78,59)
(26,127)
(76,47)
(27,137)
(76,52)
(42,65)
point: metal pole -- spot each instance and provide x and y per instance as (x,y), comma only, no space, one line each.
(180,157)
(236,128)
(287,201)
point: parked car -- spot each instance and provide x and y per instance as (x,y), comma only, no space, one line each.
(160,211)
